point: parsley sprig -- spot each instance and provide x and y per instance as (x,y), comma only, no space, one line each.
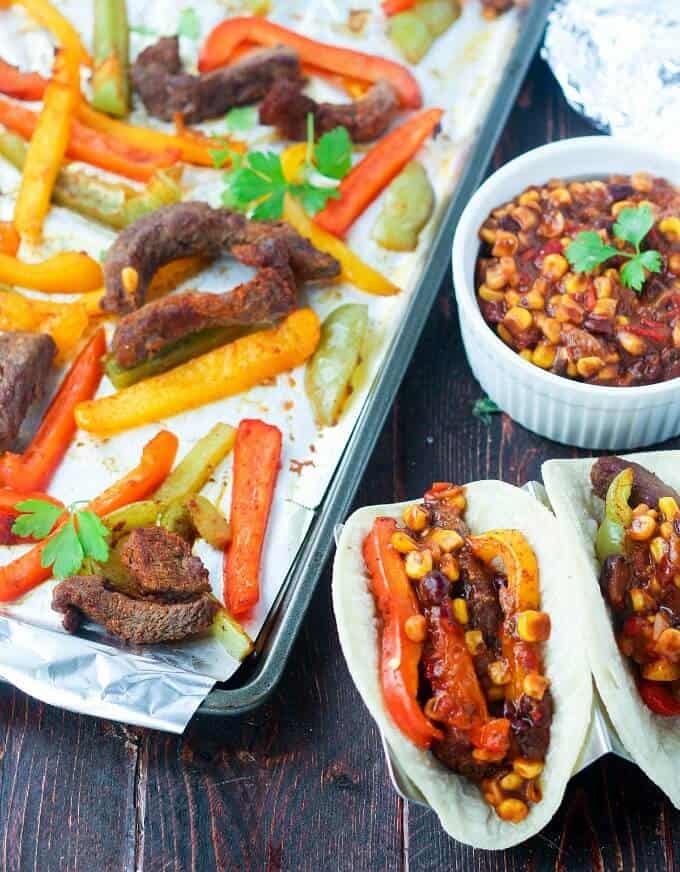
(484,408)
(83,535)
(256,182)
(588,251)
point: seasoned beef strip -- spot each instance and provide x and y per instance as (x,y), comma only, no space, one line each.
(194,228)
(138,621)
(481,596)
(270,295)
(286,108)
(166,90)
(647,487)
(162,564)
(25,359)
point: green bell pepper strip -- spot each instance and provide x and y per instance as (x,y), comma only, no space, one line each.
(113,204)
(618,515)
(110,84)
(173,355)
(329,372)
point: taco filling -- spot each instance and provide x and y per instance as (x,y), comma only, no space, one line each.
(460,635)
(638,546)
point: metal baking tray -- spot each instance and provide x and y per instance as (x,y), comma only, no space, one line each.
(259,675)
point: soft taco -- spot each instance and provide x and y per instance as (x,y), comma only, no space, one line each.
(620,518)
(457,619)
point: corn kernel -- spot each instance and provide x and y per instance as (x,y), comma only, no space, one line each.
(504,334)
(511,781)
(402,542)
(525,217)
(418,564)
(661,670)
(551,329)
(668,507)
(589,366)
(561,196)
(608,373)
(460,610)
(499,672)
(485,293)
(495,277)
(505,244)
(670,227)
(415,628)
(416,517)
(641,509)
(535,685)
(642,182)
(529,197)
(666,529)
(513,810)
(640,600)
(473,640)
(552,225)
(603,287)
(544,355)
(674,264)
(492,792)
(621,205)
(525,354)
(517,320)
(572,372)
(569,310)
(554,266)
(533,626)
(575,283)
(668,644)
(631,343)
(448,540)
(512,298)
(606,307)
(488,234)
(449,566)
(658,548)
(535,301)
(534,792)
(642,528)
(527,768)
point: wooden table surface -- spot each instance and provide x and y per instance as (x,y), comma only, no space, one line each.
(301,784)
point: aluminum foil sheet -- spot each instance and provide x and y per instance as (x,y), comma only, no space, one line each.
(618,62)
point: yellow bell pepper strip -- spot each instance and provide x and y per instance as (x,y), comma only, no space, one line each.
(63,31)
(354,270)
(110,85)
(47,149)
(221,373)
(27,572)
(329,373)
(66,323)
(70,272)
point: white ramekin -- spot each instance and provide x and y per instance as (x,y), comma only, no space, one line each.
(590,416)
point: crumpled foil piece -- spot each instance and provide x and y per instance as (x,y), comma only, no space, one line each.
(618,62)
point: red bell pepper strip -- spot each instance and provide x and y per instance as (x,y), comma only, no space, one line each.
(399,655)
(93,147)
(394,7)
(27,572)
(9,513)
(33,470)
(375,171)
(20,85)
(222,41)
(257,458)
(659,699)
(9,238)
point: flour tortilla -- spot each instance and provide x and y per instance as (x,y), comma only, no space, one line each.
(652,741)
(458,802)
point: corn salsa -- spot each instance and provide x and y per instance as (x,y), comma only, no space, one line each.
(589,327)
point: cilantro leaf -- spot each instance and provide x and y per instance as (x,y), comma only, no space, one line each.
(142,30)
(189,24)
(268,165)
(220,156)
(633,224)
(241,118)
(37,519)
(313,199)
(63,552)
(271,208)
(261,180)
(588,251)
(93,534)
(633,273)
(651,260)
(334,153)
(484,408)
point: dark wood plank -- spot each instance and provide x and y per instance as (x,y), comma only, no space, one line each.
(612,816)
(67,789)
(300,784)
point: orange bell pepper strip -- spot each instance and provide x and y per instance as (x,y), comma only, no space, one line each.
(34,469)
(375,171)
(158,456)
(92,147)
(394,7)
(9,238)
(47,149)
(257,458)
(64,322)
(19,85)
(71,272)
(63,31)
(223,40)
(399,656)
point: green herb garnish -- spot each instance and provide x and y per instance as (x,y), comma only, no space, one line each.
(333,153)
(142,30)
(189,24)
(241,118)
(83,535)
(484,408)
(588,251)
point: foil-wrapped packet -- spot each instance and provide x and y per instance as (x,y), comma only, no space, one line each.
(618,62)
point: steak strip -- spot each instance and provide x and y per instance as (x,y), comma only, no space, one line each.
(25,360)
(138,621)
(167,91)
(162,564)
(194,228)
(270,295)
(647,487)
(286,108)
